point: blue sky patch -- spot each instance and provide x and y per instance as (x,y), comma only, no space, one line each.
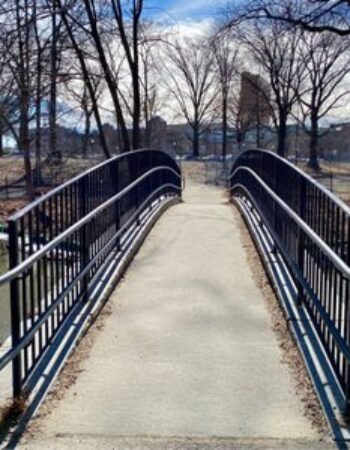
(180,10)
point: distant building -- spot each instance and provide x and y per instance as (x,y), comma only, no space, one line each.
(254,102)
(68,140)
(112,138)
(335,144)
(157,130)
(179,139)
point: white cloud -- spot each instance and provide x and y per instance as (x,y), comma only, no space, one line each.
(190,8)
(191,28)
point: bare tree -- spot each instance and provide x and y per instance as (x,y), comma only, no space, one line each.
(150,79)
(235,118)
(311,15)
(17,21)
(106,66)
(131,46)
(86,74)
(80,96)
(9,116)
(190,78)
(121,20)
(327,61)
(226,56)
(54,152)
(275,49)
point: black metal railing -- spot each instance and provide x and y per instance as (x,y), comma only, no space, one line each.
(310,228)
(60,244)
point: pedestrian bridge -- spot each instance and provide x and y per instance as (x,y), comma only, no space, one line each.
(184,352)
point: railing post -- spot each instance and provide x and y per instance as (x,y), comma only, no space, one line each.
(15,310)
(347,364)
(117,203)
(347,327)
(84,253)
(301,240)
(276,189)
(138,220)
(151,180)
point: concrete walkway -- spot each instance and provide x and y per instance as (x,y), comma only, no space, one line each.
(188,355)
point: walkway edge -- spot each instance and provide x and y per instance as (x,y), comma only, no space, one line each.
(67,340)
(318,368)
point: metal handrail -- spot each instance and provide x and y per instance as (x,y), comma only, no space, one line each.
(338,201)
(335,333)
(86,218)
(338,262)
(78,177)
(13,352)
(310,228)
(28,262)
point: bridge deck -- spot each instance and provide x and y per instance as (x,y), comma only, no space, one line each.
(188,350)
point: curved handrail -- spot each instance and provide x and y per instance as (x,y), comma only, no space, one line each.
(60,244)
(82,175)
(338,262)
(28,262)
(303,174)
(310,228)
(13,352)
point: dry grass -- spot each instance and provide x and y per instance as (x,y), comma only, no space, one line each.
(10,413)
(68,168)
(9,207)
(334,176)
(336,168)
(12,170)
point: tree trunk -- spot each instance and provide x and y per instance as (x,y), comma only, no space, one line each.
(258,135)
(24,143)
(23,92)
(108,76)
(239,140)
(196,141)
(147,139)
(55,153)
(86,135)
(258,121)
(282,136)
(313,147)
(136,141)
(1,141)
(132,56)
(38,175)
(87,81)
(224,123)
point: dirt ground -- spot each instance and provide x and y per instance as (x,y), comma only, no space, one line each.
(335,176)
(12,169)
(12,172)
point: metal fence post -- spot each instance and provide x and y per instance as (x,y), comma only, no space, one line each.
(347,327)
(84,253)
(116,185)
(276,189)
(301,240)
(15,310)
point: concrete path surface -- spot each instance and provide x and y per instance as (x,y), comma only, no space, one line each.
(187,355)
